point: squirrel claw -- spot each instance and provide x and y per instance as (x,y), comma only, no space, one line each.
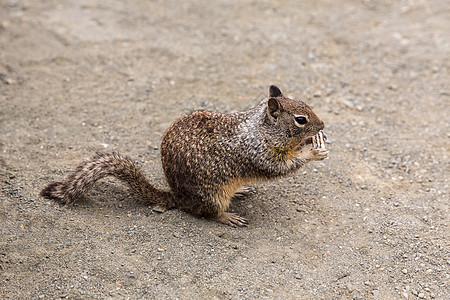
(244,191)
(320,153)
(232,220)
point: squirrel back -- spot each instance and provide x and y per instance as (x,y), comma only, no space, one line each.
(207,157)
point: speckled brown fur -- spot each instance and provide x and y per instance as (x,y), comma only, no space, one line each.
(103,165)
(207,157)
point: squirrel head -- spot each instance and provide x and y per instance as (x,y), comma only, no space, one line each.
(291,120)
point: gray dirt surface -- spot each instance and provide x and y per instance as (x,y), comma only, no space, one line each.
(372,222)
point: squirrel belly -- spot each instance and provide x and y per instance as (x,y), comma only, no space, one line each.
(207,157)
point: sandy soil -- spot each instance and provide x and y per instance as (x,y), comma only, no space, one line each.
(372,222)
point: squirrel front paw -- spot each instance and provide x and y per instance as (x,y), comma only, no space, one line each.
(319,154)
(318,151)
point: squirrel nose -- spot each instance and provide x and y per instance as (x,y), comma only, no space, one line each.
(322,125)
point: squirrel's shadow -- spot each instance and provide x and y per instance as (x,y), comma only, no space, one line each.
(111,194)
(108,194)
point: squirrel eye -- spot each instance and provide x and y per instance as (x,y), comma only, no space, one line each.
(301,120)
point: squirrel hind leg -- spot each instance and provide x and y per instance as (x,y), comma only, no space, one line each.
(214,206)
(227,218)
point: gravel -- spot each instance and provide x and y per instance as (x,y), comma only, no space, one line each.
(370,222)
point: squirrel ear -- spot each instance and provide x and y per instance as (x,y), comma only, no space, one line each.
(273,108)
(274,91)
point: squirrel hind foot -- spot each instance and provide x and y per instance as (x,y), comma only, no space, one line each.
(232,219)
(244,191)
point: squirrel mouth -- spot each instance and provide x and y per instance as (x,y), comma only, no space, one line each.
(309,140)
(304,142)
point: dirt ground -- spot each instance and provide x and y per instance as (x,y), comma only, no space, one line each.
(371,222)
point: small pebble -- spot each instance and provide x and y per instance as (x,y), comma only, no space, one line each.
(9,81)
(158,210)
(349,103)
(404,271)
(129,275)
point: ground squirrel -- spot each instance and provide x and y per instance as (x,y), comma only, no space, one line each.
(208,157)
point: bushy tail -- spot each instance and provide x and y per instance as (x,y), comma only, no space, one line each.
(103,165)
